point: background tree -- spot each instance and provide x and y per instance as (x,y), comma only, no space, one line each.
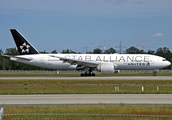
(150,52)
(1,59)
(110,51)
(8,64)
(68,51)
(142,52)
(54,51)
(11,51)
(160,52)
(132,50)
(43,52)
(97,51)
(164,52)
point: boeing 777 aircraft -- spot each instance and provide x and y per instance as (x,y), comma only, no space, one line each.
(104,63)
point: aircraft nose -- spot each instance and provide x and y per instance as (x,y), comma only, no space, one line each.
(168,63)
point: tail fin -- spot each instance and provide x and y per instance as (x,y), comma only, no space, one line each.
(24,47)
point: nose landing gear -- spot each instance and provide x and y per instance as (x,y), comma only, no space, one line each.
(155,71)
(154,74)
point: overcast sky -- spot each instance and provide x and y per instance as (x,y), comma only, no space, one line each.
(74,24)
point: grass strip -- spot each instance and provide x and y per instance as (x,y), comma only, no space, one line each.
(14,87)
(90,110)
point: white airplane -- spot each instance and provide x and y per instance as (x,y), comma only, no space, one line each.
(104,63)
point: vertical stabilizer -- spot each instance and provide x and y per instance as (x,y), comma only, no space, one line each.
(24,47)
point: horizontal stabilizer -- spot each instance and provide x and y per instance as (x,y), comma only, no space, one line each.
(22,58)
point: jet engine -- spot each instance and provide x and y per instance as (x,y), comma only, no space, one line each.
(106,68)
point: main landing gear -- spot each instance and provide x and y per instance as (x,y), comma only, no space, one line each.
(88,72)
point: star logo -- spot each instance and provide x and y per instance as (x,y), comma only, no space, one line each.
(25,48)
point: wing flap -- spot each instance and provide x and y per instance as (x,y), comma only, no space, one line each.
(76,62)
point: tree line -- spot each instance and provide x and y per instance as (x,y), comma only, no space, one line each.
(7,64)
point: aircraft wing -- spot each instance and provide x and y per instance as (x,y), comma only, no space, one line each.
(22,58)
(76,62)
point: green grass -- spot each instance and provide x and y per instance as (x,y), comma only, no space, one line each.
(13,87)
(91,110)
(81,118)
(78,74)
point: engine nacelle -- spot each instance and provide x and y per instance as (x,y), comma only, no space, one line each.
(106,68)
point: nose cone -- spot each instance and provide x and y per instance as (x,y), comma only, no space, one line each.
(165,64)
(168,63)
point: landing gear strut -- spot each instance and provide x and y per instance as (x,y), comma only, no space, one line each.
(88,72)
(155,71)
(154,74)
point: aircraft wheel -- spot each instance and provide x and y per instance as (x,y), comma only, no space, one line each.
(154,74)
(82,74)
(93,74)
(86,74)
(89,74)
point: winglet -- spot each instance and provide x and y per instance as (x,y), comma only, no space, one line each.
(24,47)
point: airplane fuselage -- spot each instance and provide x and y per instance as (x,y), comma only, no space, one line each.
(104,63)
(120,61)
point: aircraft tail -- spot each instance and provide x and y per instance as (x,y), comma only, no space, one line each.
(24,47)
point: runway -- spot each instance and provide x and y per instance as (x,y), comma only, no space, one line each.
(91,78)
(88,99)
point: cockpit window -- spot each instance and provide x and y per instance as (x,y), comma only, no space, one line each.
(164,59)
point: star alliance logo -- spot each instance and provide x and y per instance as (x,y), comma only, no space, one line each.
(25,48)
